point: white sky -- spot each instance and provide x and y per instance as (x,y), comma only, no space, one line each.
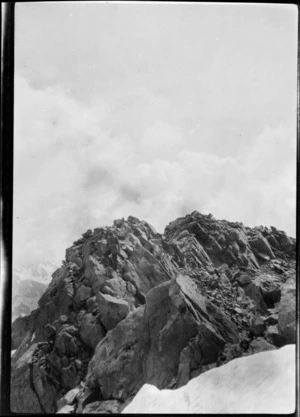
(151,110)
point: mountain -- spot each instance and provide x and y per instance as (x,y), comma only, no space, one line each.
(29,284)
(159,310)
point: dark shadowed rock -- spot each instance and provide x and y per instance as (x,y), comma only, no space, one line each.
(272,336)
(258,326)
(259,345)
(81,296)
(116,367)
(103,407)
(111,310)
(30,387)
(287,315)
(178,308)
(254,292)
(91,331)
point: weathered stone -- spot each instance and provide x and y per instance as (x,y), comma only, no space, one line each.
(216,246)
(148,269)
(64,342)
(270,288)
(117,363)
(70,396)
(66,409)
(254,292)
(94,272)
(244,279)
(69,377)
(287,315)
(272,336)
(225,281)
(262,245)
(258,327)
(49,330)
(230,351)
(81,296)
(117,287)
(91,304)
(30,389)
(175,307)
(111,310)
(103,407)
(78,364)
(259,345)
(91,331)
(271,320)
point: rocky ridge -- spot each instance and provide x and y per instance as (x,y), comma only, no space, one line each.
(178,304)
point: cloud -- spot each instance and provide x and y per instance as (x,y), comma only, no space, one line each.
(74,171)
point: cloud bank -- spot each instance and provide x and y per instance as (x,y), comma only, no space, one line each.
(74,171)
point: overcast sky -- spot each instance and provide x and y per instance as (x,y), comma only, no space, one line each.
(151,110)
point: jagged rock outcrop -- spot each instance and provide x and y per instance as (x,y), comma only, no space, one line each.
(172,307)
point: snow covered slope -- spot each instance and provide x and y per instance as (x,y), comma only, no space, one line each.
(261,383)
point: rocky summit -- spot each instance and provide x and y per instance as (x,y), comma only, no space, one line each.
(129,307)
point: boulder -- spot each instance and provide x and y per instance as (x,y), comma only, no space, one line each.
(49,331)
(69,398)
(176,308)
(272,336)
(244,279)
(81,296)
(116,366)
(91,331)
(91,304)
(103,407)
(270,288)
(149,270)
(262,245)
(224,325)
(273,241)
(95,273)
(117,287)
(271,320)
(129,274)
(230,351)
(259,345)
(287,315)
(67,409)
(69,377)
(65,342)
(254,292)
(111,310)
(258,326)
(225,281)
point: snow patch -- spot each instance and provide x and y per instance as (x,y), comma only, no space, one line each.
(260,383)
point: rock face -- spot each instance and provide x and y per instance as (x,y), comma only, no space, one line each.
(175,306)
